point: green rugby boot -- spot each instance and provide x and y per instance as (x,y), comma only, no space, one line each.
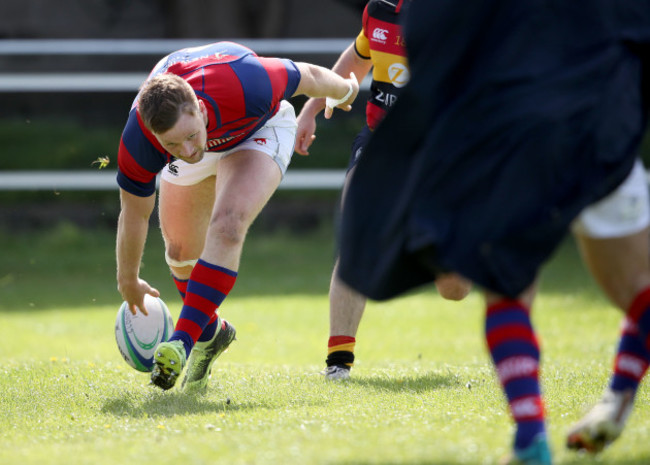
(169,360)
(203,356)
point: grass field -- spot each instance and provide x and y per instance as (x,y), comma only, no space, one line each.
(423,391)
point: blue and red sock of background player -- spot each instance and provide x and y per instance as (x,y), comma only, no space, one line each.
(513,345)
(633,355)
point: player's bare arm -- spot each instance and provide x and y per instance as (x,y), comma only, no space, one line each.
(132,228)
(348,62)
(317,82)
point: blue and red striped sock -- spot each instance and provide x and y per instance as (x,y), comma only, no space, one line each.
(181,285)
(633,355)
(211,328)
(514,349)
(207,288)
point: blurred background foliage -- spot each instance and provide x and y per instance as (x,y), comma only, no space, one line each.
(69,144)
(70,130)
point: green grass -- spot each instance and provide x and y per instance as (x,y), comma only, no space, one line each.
(423,390)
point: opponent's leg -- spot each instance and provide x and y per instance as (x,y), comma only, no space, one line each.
(345,304)
(346,311)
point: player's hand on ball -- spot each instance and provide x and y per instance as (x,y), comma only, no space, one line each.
(137,336)
(133,292)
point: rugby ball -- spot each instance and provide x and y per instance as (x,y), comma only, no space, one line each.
(138,335)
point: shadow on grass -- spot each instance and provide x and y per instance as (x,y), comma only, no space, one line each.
(422,383)
(169,405)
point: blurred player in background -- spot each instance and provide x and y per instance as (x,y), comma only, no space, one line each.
(519,118)
(614,239)
(215,120)
(380,46)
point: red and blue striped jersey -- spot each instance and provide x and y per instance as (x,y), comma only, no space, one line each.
(241,91)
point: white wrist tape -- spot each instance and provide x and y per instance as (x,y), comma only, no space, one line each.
(332,102)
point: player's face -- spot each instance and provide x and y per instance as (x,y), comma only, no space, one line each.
(187,138)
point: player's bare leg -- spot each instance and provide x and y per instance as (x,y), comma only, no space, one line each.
(346,310)
(346,307)
(246,181)
(621,266)
(184,213)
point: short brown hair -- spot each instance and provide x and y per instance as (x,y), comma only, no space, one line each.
(162,100)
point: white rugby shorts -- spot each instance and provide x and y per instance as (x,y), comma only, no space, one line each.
(276,139)
(623,212)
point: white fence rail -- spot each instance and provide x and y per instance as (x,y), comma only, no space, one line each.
(102,181)
(130,81)
(82,82)
(71,82)
(161,47)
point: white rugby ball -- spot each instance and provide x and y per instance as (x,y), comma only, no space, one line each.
(138,335)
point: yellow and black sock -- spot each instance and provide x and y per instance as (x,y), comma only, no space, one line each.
(340,351)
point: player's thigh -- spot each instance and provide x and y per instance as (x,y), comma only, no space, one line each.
(246,180)
(620,265)
(184,216)
(613,238)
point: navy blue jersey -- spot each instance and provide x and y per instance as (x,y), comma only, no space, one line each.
(241,91)
(518,114)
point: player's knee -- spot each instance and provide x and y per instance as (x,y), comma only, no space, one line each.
(453,287)
(177,262)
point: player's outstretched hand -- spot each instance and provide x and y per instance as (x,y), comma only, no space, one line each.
(345,102)
(305,133)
